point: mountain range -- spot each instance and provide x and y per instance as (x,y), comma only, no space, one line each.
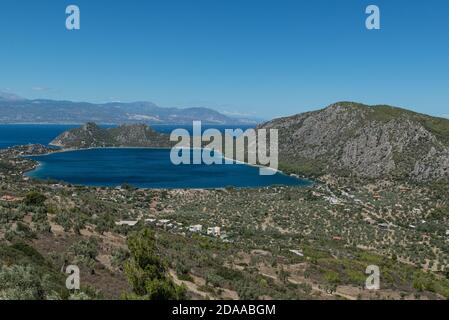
(14,109)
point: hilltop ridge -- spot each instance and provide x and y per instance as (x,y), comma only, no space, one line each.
(91,135)
(356,140)
(15,109)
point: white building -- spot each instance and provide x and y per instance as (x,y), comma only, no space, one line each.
(214,231)
(127,223)
(196,228)
(297,252)
(163,223)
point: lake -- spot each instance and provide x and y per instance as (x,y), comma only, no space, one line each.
(149,168)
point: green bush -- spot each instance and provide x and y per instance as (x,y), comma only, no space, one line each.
(86,251)
(146,272)
(34,198)
(119,256)
(26,274)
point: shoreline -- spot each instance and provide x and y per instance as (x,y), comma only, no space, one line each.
(308,181)
(167,148)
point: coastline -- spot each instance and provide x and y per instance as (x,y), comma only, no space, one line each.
(165,148)
(62,150)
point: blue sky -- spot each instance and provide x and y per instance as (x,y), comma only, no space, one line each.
(260,57)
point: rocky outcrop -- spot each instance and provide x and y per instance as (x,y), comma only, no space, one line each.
(91,135)
(350,139)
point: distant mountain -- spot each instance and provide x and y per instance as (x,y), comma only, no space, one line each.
(14,109)
(375,142)
(91,135)
(6,96)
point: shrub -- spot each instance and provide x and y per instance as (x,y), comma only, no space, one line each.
(86,250)
(20,283)
(146,272)
(34,198)
(119,256)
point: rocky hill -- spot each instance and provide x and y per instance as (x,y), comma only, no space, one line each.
(351,139)
(91,135)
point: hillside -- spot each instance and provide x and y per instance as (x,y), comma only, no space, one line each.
(351,139)
(274,243)
(91,135)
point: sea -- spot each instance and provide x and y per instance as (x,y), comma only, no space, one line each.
(138,167)
(22,134)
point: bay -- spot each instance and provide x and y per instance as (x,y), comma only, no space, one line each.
(149,168)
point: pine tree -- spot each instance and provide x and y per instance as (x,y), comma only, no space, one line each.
(146,272)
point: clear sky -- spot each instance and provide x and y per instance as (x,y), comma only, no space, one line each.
(261,57)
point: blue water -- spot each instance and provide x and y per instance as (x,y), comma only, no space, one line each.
(13,135)
(148,168)
(145,168)
(22,134)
